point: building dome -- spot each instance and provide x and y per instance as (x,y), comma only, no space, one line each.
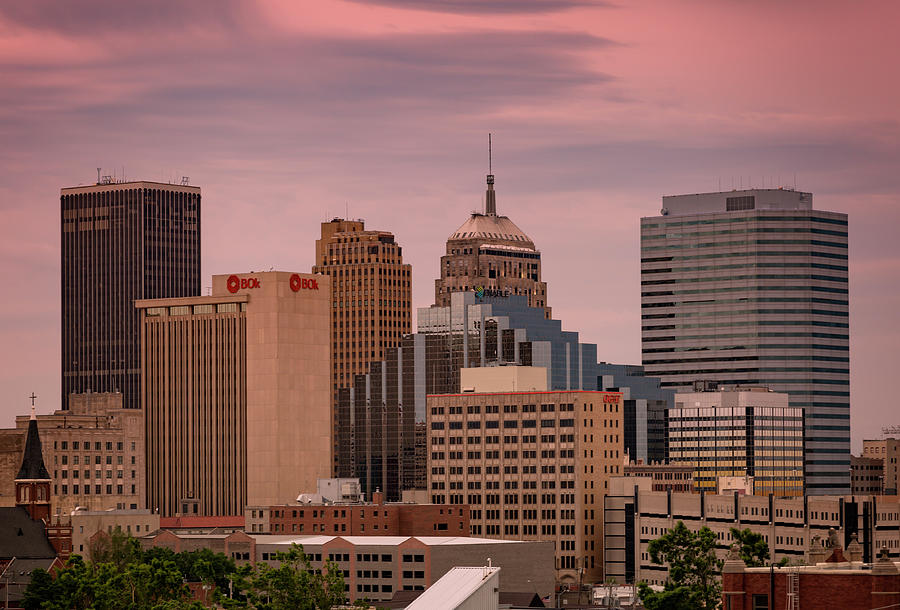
(491,227)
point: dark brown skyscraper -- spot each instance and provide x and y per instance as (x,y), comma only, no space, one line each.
(120,242)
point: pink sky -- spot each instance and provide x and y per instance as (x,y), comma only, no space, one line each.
(287,114)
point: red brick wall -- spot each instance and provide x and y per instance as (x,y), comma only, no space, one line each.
(371,520)
(430,519)
(848,591)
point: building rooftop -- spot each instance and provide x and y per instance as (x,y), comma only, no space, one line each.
(455,587)
(23,537)
(736,201)
(198,521)
(127,185)
(482,226)
(377,540)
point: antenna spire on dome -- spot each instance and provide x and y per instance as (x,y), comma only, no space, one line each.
(490,200)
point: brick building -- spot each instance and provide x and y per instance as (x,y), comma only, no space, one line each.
(841,581)
(360,519)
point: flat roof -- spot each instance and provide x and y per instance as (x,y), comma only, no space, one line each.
(515,392)
(201,300)
(111,186)
(377,540)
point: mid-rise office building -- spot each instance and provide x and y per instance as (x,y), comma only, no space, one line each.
(120,242)
(371,301)
(236,393)
(888,451)
(491,255)
(791,526)
(530,466)
(750,287)
(376,567)
(740,432)
(94,451)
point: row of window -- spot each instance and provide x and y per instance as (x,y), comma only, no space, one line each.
(85,489)
(86,445)
(744,231)
(734,219)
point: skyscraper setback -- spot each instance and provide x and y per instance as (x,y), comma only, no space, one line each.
(120,242)
(751,287)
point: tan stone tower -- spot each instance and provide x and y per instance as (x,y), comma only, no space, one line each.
(372,299)
(489,254)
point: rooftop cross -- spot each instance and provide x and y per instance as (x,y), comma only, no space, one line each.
(32,397)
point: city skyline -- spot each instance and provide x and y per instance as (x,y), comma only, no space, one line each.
(597,112)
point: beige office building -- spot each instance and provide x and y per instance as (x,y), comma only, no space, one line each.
(86,523)
(792,527)
(531,466)
(236,393)
(738,432)
(887,450)
(94,452)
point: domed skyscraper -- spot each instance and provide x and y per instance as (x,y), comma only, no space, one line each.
(490,255)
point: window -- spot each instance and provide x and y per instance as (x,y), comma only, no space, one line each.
(760,602)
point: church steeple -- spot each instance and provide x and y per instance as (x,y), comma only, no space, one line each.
(490,197)
(33,480)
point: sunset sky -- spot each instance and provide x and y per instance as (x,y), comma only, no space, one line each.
(287,114)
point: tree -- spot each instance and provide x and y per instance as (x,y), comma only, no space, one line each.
(116,547)
(693,570)
(41,588)
(122,575)
(753,548)
(295,584)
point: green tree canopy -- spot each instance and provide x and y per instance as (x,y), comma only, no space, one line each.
(294,584)
(693,570)
(752,546)
(122,575)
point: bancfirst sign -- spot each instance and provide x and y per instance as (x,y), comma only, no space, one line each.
(481,292)
(297,283)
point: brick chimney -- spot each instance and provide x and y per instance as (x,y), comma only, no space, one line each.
(378,497)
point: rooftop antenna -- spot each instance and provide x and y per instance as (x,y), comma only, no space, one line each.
(490,205)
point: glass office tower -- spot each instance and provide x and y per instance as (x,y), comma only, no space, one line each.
(751,287)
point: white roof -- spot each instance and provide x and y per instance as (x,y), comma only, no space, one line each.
(453,588)
(375,540)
